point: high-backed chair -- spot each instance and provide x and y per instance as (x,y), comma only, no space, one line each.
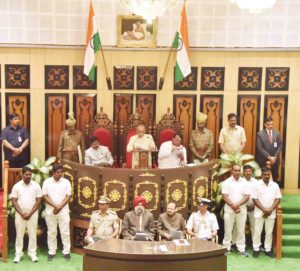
(105,131)
(126,131)
(166,128)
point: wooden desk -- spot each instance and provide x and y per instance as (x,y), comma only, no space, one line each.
(126,255)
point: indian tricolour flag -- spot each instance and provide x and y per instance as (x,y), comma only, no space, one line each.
(92,45)
(181,42)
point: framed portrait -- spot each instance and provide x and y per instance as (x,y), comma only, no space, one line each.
(135,31)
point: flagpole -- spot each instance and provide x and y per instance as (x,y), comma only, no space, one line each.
(108,80)
(162,79)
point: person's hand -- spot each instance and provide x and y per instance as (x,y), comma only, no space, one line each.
(180,156)
(237,210)
(151,148)
(26,216)
(168,236)
(56,210)
(234,206)
(250,207)
(136,149)
(272,160)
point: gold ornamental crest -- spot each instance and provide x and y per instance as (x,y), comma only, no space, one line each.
(86,192)
(176,195)
(114,195)
(147,195)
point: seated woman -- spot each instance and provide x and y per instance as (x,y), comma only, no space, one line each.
(203,224)
(98,155)
(138,32)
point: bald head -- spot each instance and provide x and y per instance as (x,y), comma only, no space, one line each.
(171,209)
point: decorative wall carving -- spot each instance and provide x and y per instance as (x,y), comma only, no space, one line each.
(81,81)
(146,78)
(277,78)
(87,192)
(118,193)
(123,77)
(17,76)
(146,106)
(212,105)
(123,107)
(56,77)
(57,106)
(249,112)
(250,78)
(188,83)
(212,78)
(177,191)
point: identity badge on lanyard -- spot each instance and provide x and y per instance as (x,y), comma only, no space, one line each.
(275,144)
(19,137)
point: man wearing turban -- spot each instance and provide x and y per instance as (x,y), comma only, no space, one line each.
(71,142)
(201,141)
(138,220)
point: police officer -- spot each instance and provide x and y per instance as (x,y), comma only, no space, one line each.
(71,143)
(104,222)
(203,224)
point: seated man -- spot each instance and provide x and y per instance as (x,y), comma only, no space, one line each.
(98,155)
(104,222)
(203,224)
(138,220)
(172,154)
(170,222)
(140,142)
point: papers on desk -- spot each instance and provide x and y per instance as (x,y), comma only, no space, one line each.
(181,242)
(140,236)
(163,248)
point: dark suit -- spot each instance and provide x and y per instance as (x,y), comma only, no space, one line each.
(264,149)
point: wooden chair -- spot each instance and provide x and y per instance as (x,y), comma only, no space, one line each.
(166,128)
(105,131)
(126,131)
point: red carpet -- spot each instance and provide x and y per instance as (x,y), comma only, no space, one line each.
(1,205)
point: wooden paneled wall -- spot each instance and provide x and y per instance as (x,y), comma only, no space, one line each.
(146,106)
(123,107)
(57,108)
(212,106)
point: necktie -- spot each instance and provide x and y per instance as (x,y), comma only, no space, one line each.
(270,137)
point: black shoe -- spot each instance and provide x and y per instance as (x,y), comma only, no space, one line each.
(270,254)
(234,247)
(67,257)
(261,248)
(255,254)
(50,257)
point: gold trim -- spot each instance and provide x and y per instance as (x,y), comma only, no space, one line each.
(85,215)
(147,174)
(79,192)
(123,206)
(67,166)
(185,193)
(72,183)
(196,190)
(156,192)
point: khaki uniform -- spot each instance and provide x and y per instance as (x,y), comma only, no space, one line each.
(201,144)
(67,147)
(104,225)
(167,223)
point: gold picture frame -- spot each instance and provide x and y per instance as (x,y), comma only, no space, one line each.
(136,32)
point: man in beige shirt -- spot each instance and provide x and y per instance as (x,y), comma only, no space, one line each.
(201,141)
(232,139)
(104,222)
(69,141)
(170,221)
(140,142)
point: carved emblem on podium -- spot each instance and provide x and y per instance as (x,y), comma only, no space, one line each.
(114,195)
(200,188)
(177,191)
(176,195)
(117,192)
(87,192)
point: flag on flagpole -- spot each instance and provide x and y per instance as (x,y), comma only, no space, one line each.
(181,42)
(92,45)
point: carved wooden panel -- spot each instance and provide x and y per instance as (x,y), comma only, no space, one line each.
(81,81)
(56,77)
(212,106)
(146,77)
(145,104)
(57,107)
(188,83)
(276,107)
(19,104)
(277,78)
(185,111)
(123,107)
(250,78)
(248,113)
(0,138)
(84,109)
(123,77)
(212,78)
(17,76)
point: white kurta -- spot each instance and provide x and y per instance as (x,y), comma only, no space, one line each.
(145,143)
(167,156)
(98,156)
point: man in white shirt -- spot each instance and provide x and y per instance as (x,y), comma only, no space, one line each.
(98,155)
(172,154)
(248,172)
(57,194)
(232,139)
(26,197)
(266,198)
(203,224)
(140,142)
(235,194)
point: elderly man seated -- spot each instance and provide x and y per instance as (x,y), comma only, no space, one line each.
(172,154)
(98,155)
(104,222)
(171,224)
(203,224)
(138,222)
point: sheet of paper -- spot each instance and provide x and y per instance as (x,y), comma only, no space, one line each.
(181,242)
(163,248)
